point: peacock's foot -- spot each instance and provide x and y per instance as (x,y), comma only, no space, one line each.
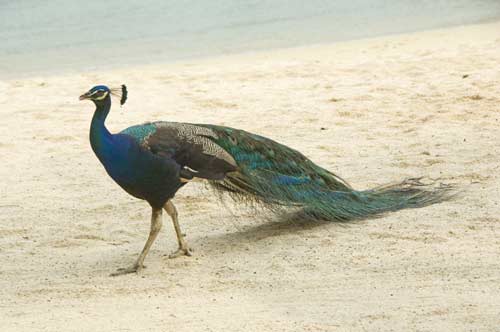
(133,269)
(180,252)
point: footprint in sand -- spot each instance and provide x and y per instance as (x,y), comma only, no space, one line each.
(41,116)
(216,103)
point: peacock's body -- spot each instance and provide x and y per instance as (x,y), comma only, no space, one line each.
(153,160)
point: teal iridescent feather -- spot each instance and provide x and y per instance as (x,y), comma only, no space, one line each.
(276,175)
(140,132)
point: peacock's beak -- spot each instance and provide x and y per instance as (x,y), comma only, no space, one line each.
(86,95)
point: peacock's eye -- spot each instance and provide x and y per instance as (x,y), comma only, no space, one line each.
(99,94)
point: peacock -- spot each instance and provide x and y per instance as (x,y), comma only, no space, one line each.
(152,161)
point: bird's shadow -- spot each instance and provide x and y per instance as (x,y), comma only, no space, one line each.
(274,226)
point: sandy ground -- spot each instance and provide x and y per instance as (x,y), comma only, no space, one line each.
(373,111)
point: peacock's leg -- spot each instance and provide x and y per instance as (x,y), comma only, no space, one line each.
(153,233)
(183,247)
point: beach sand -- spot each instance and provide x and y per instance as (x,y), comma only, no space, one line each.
(373,111)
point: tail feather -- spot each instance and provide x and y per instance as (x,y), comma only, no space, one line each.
(277,176)
(324,204)
(343,206)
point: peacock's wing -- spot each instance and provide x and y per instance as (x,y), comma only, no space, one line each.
(191,146)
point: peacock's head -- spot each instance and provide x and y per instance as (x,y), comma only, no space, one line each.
(100,93)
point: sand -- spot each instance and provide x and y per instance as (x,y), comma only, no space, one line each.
(373,111)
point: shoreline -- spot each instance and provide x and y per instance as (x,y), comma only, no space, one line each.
(487,25)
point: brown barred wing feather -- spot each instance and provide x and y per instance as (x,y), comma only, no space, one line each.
(193,148)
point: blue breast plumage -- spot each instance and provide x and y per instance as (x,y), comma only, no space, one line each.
(135,168)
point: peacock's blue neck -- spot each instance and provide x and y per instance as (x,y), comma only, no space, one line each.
(100,137)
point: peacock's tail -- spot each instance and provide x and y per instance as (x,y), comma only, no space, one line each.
(344,206)
(321,203)
(278,176)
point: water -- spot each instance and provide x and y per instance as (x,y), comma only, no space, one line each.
(72,35)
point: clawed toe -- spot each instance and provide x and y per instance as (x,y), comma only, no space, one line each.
(133,269)
(180,252)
